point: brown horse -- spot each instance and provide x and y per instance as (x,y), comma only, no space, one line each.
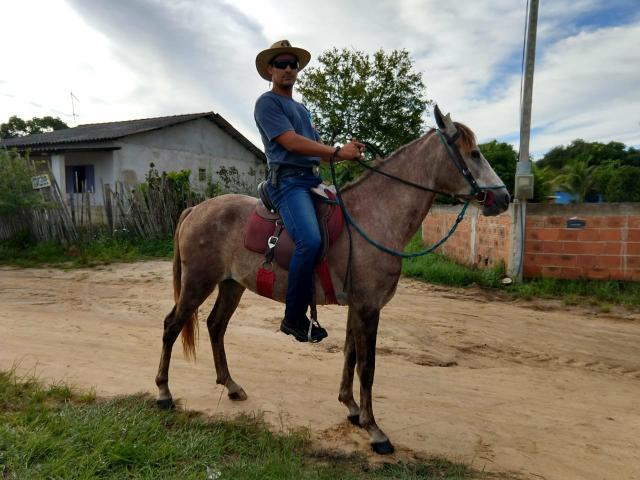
(209,252)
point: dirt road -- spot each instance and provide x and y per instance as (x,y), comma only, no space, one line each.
(529,388)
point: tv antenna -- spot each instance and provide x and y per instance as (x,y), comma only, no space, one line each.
(73,108)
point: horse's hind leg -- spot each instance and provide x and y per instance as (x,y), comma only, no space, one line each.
(346,385)
(229,294)
(183,310)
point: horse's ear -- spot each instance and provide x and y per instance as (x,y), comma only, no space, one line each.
(444,122)
(438,114)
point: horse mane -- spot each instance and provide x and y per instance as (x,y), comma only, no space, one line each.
(466,143)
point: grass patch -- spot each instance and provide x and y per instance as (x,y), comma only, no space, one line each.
(599,293)
(22,252)
(54,432)
(434,268)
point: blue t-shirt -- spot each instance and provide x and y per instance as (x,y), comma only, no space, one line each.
(274,115)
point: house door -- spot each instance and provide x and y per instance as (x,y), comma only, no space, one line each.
(80,178)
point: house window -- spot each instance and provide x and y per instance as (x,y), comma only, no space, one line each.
(80,178)
(202,174)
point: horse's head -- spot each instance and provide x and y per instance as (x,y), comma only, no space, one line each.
(470,176)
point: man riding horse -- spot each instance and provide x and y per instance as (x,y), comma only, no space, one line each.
(294,150)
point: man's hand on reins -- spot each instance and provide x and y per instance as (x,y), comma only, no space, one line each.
(351,151)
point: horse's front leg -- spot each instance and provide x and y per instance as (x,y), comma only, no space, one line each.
(346,385)
(365,330)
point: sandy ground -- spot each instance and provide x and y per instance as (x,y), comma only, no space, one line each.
(531,389)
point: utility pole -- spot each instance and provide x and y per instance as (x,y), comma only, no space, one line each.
(524,177)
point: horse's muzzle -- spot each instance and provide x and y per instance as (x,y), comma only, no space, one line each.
(493,203)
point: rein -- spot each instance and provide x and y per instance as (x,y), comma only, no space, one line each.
(454,153)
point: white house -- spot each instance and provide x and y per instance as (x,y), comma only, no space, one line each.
(106,153)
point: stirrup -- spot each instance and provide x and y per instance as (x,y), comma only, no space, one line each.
(313,322)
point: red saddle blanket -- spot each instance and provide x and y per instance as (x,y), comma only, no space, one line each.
(262,225)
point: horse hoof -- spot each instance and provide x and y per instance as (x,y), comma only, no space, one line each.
(238,396)
(354,420)
(166,404)
(383,448)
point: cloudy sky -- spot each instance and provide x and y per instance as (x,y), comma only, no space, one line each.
(126,59)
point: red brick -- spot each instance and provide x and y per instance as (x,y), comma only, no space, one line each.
(555,222)
(548,234)
(633,221)
(632,248)
(531,271)
(571,273)
(569,234)
(588,235)
(633,235)
(532,222)
(597,273)
(534,246)
(595,222)
(594,248)
(610,234)
(553,247)
(615,222)
(551,272)
(554,260)
(608,261)
(633,261)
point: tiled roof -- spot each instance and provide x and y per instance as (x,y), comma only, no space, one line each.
(96,132)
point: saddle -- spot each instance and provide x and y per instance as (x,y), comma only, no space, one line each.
(265,225)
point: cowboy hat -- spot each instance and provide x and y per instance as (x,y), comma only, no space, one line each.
(281,46)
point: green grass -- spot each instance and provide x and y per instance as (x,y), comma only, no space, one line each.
(434,268)
(581,292)
(51,432)
(21,252)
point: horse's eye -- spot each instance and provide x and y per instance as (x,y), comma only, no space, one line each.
(475,155)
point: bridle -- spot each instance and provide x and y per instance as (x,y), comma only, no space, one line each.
(483,194)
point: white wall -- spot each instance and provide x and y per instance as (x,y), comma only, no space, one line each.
(191,145)
(57,167)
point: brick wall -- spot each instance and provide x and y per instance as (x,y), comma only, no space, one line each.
(479,241)
(607,247)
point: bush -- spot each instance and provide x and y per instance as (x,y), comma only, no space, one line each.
(16,192)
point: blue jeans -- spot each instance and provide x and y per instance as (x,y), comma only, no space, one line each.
(294,202)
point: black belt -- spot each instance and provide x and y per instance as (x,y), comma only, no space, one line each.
(276,171)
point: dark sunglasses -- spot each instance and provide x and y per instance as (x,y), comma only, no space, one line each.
(282,64)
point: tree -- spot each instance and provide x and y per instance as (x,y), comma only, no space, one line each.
(378,98)
(594,153)
(576,178)
(17,127)
(624,185)
(503,159)
(542,182)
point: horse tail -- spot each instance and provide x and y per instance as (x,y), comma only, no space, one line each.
(190,328)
